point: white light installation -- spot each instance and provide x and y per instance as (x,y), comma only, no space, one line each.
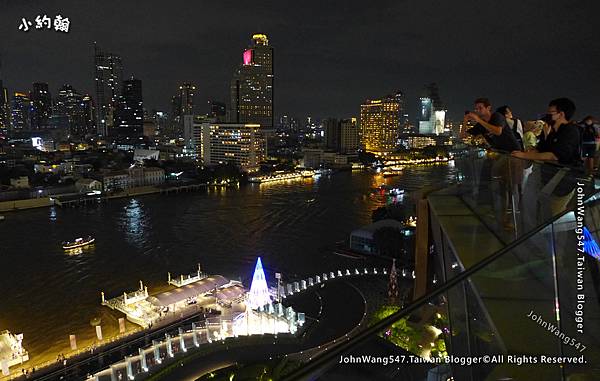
(259,292)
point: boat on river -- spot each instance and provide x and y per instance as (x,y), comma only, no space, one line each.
(78,242)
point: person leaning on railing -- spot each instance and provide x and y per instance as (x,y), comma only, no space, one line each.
(507,174)
(559,143)
(532,130)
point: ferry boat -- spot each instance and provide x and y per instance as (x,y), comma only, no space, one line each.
(79,242)
(308,173)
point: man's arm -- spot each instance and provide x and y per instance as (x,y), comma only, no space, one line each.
(495,130)
(534,155)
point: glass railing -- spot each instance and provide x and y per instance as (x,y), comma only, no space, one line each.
(532,308)
(513,196)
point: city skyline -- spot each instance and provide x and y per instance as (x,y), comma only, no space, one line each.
(322,69)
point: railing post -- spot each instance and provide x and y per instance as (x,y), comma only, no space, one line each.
(156,347)
(143,360)
(129,368)
(169,345)
(113,373)
(421,248)
(182,340)
(195,335)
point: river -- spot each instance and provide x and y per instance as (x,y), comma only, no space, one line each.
(292,225)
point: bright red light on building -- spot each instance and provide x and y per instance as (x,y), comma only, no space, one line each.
(248,57)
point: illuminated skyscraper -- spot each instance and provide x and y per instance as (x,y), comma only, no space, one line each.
(182,104)
(380,123)
(20,112)
(221,143)
(348,136)
(433,113)
(108,78)
(129,112)
(41,103)
(4,104)
(426,116)
(252,93)
(89,114)
(70,110)
(4,114)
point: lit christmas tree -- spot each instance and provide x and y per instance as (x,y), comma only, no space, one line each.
(259,292)
(393,291)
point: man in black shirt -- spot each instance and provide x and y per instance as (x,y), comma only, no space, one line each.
(506,173)
(492,126)
(559,143)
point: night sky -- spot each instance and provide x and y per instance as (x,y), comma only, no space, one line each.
(329,56)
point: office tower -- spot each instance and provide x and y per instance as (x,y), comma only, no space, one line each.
(186,94)
(426,116)
(129,110)
(4,104)
(182,104)
(41,102)
(380,124)
(20,112)
(108,70)
(89,114)
(332,133)
(252,86)
(348,136)
(433,113)
(161,122)
(221,143)
(69,111)
(217,110)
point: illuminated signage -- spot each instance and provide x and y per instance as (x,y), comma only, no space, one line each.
(248,57)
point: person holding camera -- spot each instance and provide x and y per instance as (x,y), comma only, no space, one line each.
(492,126)
(559,143)
(506,174)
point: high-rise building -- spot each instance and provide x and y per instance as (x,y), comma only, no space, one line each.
(217,110)
(108,78)
(41,110)
(89,113)
(433,113)
(426,116)
(20,119)
(252,86)
(380,124)
(69,111)
(182,104)
(221,143)
(186,94)
(332,133)
(348,136)
(4,104)
(129,111)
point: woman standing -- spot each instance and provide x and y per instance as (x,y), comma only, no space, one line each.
(588,143)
